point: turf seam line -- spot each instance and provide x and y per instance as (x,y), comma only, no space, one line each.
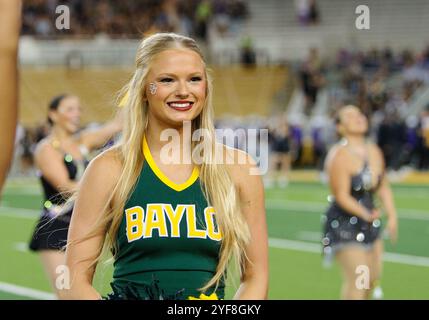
(316,248)
(26,292)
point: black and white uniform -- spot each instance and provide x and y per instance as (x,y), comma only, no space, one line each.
(52,227)
(280,143)
(341,228)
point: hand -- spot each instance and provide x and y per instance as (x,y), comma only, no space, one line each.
(371,216)
(392,229)
(376,214)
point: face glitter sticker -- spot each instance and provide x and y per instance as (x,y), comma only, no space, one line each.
(152,87)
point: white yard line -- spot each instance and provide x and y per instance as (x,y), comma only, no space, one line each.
(32,191)
(26,292)
(316,248)
(21,246)
(12,212)
(290,205)
(274,242)
(309,236)
(294,245)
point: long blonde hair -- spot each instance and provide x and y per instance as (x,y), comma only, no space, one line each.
(216,182)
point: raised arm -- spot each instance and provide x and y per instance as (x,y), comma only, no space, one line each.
(96,138)
(10,23)
(340,183)
(254,284)
(96,186)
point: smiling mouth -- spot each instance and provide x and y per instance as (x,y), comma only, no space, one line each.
(180,106)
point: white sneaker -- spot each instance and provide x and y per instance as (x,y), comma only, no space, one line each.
(283,182)
(268,183)
(377,293)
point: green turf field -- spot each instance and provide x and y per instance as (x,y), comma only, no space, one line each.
(296,270)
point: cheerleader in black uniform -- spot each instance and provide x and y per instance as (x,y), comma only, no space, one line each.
(61,159)
(352,228)
(280,157)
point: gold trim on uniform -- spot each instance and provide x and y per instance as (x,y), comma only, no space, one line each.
(161,176)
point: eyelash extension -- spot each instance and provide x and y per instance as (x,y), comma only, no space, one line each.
(169,80)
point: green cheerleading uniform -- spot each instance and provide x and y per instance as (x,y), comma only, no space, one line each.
(168,241)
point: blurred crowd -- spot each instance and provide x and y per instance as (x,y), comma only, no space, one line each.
(379,81)
(382,84)
(131,19)
(26,140)
(307,12)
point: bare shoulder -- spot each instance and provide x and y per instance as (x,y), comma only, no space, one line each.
(101,176)
(43,145)
(247,180)
(45,149)
(108,163)
(241,166)
(375,149)
(337,155)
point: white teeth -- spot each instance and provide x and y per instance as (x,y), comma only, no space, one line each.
(180,105)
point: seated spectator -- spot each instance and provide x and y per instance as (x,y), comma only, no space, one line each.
(247,53)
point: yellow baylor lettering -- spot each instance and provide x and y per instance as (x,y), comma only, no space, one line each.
(134,217)
(193,232)
(210,222)
(175,216)
(155,220)
(140,224)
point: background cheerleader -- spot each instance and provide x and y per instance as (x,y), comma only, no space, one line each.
(352,230)
(61,159)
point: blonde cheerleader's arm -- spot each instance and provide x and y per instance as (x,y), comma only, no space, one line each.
(10,24)
(97,184)
(254,283)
